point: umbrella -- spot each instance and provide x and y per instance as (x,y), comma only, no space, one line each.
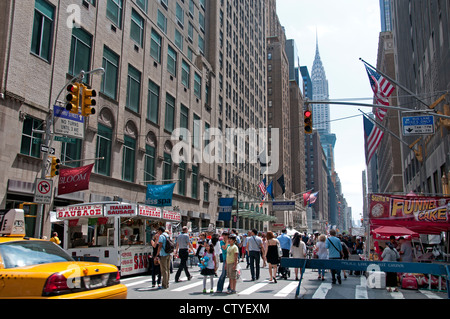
(384,232)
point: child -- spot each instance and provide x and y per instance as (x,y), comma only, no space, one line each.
(232,260)
(210,266)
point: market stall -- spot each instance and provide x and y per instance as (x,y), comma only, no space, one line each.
(113,232)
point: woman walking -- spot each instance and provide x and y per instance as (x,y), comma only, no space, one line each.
(390,254)
(272,256)
(298,250)
(322,253)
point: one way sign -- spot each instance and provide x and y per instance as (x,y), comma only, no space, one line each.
(43,191)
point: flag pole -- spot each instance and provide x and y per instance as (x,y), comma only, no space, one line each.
(395,82)
(384,128)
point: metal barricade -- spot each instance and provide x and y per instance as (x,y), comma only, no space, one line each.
(363,265)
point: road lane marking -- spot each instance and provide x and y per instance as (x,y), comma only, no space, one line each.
(322,291)
(287,290)
(361,290)
(253,288)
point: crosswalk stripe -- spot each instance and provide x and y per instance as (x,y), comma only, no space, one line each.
(253,288)
(195,284)
(322,291)
(137,283)
(361,290)
(429,294)
(397,295)
(287,290)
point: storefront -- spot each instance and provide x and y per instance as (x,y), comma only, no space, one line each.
(114,232)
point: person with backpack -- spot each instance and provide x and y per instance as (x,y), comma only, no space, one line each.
(165,248)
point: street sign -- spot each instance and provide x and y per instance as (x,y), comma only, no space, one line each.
(43,191)
(65,139)
(418,125)
(283,205)
(46,149)
(67,123)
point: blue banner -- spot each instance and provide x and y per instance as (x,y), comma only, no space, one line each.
(159,195)
(225,208)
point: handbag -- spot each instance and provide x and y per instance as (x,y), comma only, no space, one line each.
(280,251)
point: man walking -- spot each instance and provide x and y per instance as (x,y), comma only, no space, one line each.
(333,244)
(255,250)
(163,257)
(285,243)
(183,247)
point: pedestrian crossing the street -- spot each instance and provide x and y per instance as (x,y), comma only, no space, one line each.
(354,287)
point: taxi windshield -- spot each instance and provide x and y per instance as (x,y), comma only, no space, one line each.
(28,253)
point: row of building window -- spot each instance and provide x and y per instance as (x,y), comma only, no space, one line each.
(31,141)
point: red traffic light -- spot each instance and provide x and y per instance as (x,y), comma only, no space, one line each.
(308,113)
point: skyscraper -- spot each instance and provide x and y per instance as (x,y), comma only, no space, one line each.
(321,112)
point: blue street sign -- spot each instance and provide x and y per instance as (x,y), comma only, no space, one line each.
(418,125)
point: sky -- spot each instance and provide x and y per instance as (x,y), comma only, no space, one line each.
(347,30)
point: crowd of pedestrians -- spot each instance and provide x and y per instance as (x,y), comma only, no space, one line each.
(223,252)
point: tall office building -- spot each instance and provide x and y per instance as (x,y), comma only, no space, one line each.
(321,112)
(421,39)
(169,65)
(385,14)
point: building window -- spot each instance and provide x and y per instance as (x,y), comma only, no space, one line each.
(194,182)
(184,120)
(104,144)
(201,21)
(170,113)
(185,73)
(110,77)
(31,141)
(182,179)
(180,15)
(201,44)
(149,171)
(179,39)
(191,32)
(71,152)
(137,28)
(114,12)
(206,192)
(41,41)
(161,21)
(197,85)
(143,4)
(80,52)
(172,61)
(155,46)
(133,89)
(167,168)
(153,102)
(129,154)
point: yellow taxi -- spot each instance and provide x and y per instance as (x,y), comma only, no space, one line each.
(33,268)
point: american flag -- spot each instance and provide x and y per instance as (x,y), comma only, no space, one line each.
(372,137)
(382,90)
(313,198)
(262,187)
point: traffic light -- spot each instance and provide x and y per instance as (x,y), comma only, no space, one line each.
(73,98)
(54,170)
(308,121)
(87,102)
